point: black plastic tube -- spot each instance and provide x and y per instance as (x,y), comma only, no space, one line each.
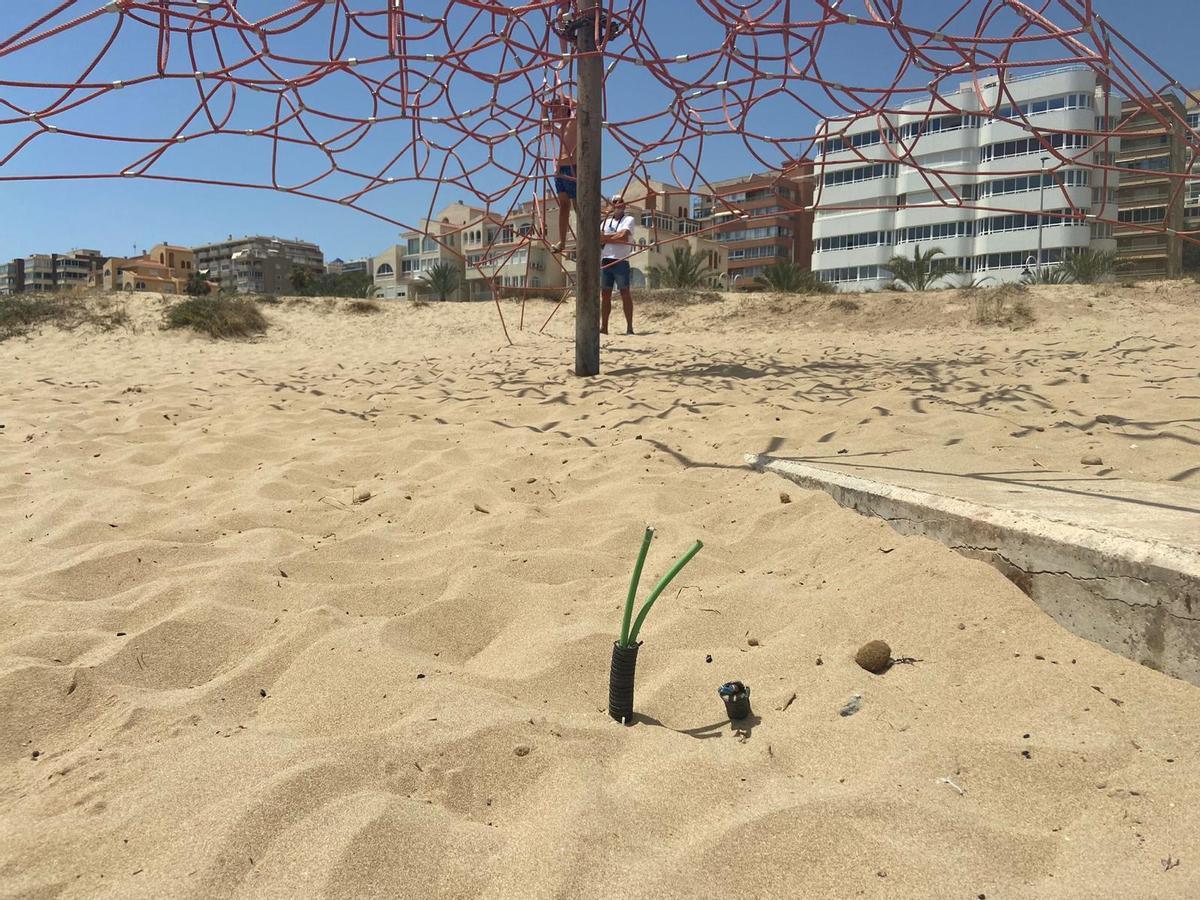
(620,682)
(737,699)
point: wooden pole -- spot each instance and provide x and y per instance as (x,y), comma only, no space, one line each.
(587,231)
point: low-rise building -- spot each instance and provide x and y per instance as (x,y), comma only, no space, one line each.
(512,255)
(258,264)
(761,220)
(164,268)
(397,272)
(351,267)
(12,277)
(43,272)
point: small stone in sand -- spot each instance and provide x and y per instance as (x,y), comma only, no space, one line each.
(262,692)
(362,496)
(708,658)
(35,754)
(1091,460)
(852,706)
(522,749)
(785,497)
(753,642)
(874,656)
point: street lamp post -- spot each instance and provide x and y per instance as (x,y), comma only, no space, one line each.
(1041,211)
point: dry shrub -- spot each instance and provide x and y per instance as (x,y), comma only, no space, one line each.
(269,299)
(19,314)
(218,317)
(363,307)
(845,304)
(1003,305)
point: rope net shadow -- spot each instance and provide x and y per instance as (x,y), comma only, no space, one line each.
(359,102)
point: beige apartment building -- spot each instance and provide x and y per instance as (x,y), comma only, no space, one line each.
(164,268)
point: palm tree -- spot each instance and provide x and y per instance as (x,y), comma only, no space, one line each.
(922,271)
(1089,266)
(789,278)
(1048,275)
(442,278)
(686,268)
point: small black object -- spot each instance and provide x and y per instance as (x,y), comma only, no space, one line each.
(620,682)
(737,699)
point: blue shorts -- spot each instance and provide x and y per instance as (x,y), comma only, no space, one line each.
(564,181)
(614,273)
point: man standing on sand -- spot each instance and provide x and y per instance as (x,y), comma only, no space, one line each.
(616,236)
(560,110)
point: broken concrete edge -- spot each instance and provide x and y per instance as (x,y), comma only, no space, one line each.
(1144,552)
(1133,597)
(1076,551)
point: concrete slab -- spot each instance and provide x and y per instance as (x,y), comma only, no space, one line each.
(1116,562)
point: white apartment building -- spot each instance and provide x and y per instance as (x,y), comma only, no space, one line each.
(873,203)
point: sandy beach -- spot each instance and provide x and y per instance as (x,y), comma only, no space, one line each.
(329,612)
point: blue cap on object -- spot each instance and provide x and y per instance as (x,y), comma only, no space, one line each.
(731,689)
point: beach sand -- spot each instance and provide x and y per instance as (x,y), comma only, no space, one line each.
(329,612)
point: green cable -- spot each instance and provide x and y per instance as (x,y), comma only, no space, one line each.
(633,585)
(662,586)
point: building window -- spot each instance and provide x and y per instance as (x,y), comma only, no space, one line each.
(1145,215)
(863,173)
(850,273)
(943,123)
(851,241)
(1025,146)
(1069,178)
(1049,104)
(1022,221)
(385,269)
(939,231)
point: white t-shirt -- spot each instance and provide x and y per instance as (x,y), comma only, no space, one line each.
(612,225)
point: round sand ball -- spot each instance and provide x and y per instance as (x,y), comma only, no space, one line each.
(873,656)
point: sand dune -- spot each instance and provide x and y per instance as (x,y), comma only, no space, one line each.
(223,672)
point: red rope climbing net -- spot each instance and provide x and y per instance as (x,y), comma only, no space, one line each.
(356,101)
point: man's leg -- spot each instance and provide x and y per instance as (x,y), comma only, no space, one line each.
(627,304)
(605,309)
(564,219)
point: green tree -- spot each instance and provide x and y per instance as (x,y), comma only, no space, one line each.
(197,286)
(1089,266)
(686,268)
(302,281)
(442,279)
(922,271)
(789,278)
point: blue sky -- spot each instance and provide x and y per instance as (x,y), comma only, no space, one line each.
(117,215)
